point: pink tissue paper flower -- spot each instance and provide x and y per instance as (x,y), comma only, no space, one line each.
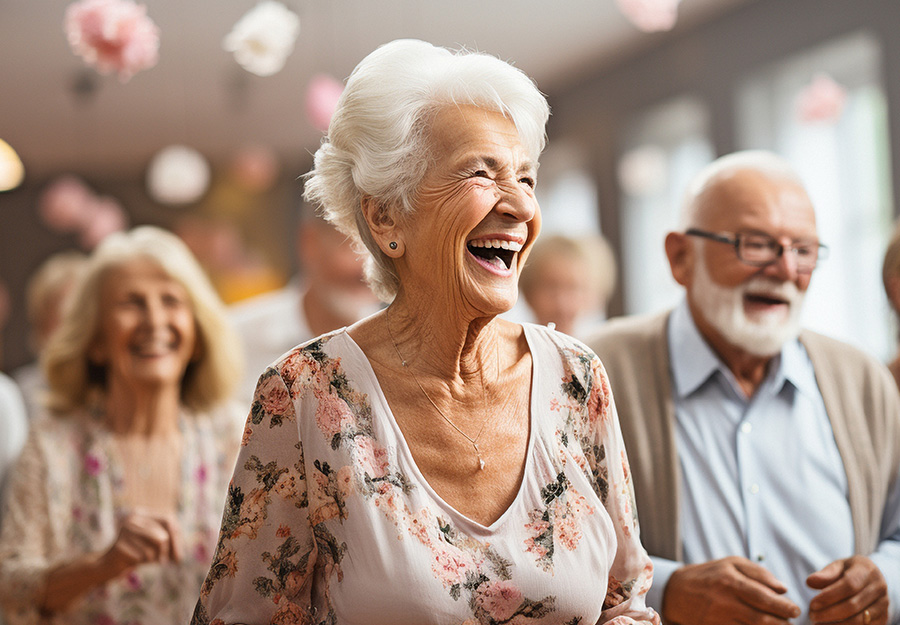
(65,204)
(69,205)
(113,36)
(650,15)
(821,101)
(105,217)
(322,96)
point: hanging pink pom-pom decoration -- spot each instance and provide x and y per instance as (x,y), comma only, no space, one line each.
(69,205)
(106,217)
(650,15)
(255,168)
(822,100)
(65,205)
(113,36)
(322,96)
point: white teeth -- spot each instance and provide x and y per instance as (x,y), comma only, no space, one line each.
(513,246)
(152,349)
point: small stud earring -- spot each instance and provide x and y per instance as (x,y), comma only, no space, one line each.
(392,245)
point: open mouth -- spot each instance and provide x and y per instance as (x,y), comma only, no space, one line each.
(495,252)
(760,299)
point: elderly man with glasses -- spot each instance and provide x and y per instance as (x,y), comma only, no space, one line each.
(765,458)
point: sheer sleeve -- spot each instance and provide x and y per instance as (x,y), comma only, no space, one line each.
(631,572)
(262,569)
(25,541)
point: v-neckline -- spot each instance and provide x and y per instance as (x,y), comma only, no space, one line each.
(405,450)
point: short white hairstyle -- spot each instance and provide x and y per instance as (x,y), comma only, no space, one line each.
(767,163)
(377,142)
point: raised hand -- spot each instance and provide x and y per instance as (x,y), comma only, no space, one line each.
(145,538)
(142,538)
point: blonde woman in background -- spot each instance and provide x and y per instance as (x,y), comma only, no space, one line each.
(116,498)
(568,282)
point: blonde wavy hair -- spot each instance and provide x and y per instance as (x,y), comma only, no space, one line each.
(72,377)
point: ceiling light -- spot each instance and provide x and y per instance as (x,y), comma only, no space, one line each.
(12,172)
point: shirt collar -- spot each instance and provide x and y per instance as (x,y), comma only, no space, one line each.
(693,361)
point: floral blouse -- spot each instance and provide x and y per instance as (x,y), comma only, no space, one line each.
(329,521)
(66,499)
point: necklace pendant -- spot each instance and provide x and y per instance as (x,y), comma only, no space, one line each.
(480,463)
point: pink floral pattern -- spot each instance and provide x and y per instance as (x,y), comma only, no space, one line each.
(321,478)
(67,490)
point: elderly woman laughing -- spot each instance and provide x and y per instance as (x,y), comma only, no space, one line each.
(432,463)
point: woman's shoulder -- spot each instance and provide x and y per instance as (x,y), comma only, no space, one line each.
(553,344)
(55,425)
(312,364)
(330,344)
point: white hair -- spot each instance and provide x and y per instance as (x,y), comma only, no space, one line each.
(377,142)
(767,163)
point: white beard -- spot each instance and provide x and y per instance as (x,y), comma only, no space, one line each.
(762,334)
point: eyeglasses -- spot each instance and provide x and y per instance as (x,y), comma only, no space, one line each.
(760,250)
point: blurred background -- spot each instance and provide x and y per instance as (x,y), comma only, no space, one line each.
(643,93)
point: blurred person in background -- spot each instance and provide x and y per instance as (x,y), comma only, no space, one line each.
(115,501)
(432,463)
(890,274)
(765,457)
(568,281)
(13,429)
(46,295)
(330,293)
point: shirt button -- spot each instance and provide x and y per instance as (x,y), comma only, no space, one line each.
(754,489)
(760,557)
(746,428)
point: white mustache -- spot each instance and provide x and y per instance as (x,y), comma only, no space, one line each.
(767,287)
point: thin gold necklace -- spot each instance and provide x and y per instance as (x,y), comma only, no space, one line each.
(472,441)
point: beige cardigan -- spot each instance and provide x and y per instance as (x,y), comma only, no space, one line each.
(860,397)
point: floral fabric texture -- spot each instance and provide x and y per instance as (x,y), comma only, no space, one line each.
(66,499)
(329,521)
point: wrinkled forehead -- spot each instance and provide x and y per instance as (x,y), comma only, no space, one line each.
(456,130)
(752,200)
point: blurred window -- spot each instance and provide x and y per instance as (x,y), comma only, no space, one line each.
(825,111)
(661,151)
(566,192)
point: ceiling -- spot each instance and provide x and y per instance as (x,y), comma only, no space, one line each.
(62,117)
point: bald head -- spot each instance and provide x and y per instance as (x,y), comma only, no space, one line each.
(748,166)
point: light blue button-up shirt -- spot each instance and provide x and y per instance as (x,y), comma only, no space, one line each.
(762,476)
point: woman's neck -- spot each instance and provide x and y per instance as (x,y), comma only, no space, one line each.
(452,346)
(144,412)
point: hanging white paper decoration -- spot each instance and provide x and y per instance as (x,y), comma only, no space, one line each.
(178,175)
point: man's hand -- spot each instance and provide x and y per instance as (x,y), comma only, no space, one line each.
(853,592)
(729,591)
